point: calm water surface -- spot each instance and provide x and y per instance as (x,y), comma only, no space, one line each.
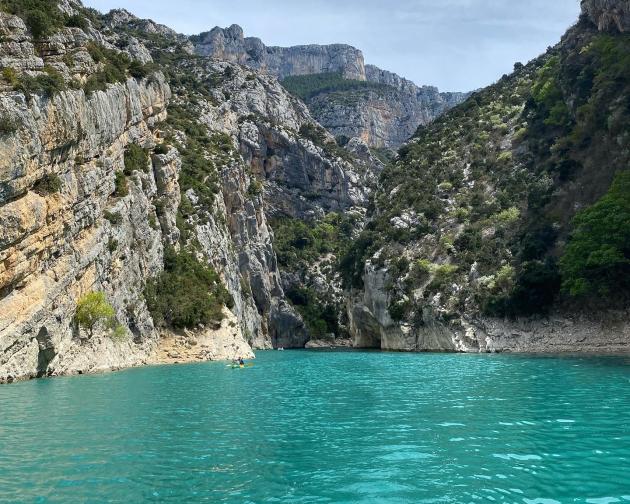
(311,427)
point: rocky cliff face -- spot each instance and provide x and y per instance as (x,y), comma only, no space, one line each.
(297,178)
(229,44)
(58,164)
(608,14)
(73,223)
(384,115)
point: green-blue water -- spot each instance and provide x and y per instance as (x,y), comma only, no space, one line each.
(309,427)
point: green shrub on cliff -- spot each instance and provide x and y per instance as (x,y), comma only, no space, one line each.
(49,184)
(94,310)
(298,243)
(320,317)
(200,153)
(42,17)
(136,158)
(115,67)
(187,293)
(48,84)
(121,185)
(597,258)
(319,137)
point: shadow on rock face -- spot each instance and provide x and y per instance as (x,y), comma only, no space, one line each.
(46,352)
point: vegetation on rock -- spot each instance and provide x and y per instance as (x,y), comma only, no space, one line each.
(597,258)
(42,17)
(300,246)
(188,293)
(136,158)
(49,184)
(93,310)
(489,191)
(306,87)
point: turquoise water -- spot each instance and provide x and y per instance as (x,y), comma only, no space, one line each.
(311,427)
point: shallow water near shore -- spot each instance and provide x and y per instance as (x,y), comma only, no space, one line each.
(339,427)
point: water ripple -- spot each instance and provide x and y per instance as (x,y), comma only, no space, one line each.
(309,427)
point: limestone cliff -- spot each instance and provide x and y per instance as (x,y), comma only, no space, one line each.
(277,171)
(58,165)
(608,14)
(384,115)
(229,44)
(78,217)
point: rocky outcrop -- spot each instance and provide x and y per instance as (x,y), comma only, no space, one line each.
(371,326)
(608,14)
(229,44)
(212,344)
(384,115)
(277,171)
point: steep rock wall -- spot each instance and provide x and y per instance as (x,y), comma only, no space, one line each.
(57,247)
(229,44)
(384,117)
(276,172)
(608,14)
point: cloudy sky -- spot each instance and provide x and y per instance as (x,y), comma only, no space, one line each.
(457,45)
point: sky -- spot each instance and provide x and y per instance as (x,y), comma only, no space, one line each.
(457,45)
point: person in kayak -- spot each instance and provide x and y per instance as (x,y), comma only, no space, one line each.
(240,361)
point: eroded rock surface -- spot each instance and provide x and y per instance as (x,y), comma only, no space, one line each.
(230,44)
(383,116)
(608,14)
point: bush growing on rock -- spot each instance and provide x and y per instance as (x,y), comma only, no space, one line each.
(77,21)
(8,125)
(114,218)
(42,17)
(200,155)
(48,84)
(10,76)
(161,149)
(320,318)
(187,293)
(49,184)
(597,258)
(136,158)
(122,187)
(115,67)
(94,310)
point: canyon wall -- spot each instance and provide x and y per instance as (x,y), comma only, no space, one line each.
(384,115)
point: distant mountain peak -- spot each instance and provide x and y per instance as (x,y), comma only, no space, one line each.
(230,44)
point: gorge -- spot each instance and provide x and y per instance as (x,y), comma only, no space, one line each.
(214,195)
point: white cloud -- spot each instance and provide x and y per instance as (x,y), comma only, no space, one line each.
(454,44)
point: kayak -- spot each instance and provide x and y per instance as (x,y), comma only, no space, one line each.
(236,366)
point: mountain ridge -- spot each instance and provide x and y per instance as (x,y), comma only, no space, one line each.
(383,120)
